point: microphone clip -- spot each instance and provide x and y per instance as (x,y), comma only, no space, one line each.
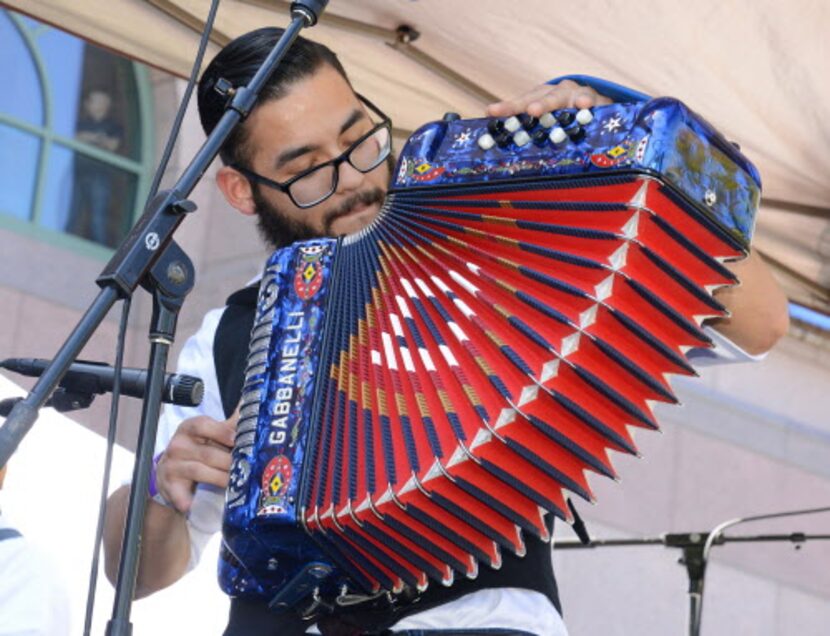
(63,400)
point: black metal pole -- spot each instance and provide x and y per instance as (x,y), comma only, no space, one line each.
(163,328)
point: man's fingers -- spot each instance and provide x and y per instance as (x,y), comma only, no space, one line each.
(580,97)
(546,98)
(178,489)
(229,430)
(199,452)
(231,425)
(194,472)
(179,495)
(500,109)
(207,429)
(218,457)
(536,101)
(179,459)
(508,107)
(589,98)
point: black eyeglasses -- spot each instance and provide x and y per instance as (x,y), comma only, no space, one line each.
(318,183)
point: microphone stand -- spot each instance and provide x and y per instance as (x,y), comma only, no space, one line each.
(696,547)
(150,257)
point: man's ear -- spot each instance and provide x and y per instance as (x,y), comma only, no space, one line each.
(236,189)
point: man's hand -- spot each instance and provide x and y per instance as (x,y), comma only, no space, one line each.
(758,307)
(546,97)
(199,452)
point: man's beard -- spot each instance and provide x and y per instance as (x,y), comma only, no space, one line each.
(276,228)
(279,229)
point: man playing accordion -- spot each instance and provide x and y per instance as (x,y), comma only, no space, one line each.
(313,159)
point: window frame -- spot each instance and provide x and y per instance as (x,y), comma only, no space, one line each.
(141,168)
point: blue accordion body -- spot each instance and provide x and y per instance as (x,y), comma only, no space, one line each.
(267,552)
(661,136)
(261,506)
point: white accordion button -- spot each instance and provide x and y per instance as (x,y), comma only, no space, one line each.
(521,138)
(512,124)
(547,120)
(584,116)
(558,135)
(486,141)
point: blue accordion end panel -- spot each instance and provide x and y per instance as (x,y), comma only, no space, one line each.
(423,393)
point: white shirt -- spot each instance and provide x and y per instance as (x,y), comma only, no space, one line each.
(33,602)
(511,608)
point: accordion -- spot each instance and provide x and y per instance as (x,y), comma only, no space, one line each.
(421,393)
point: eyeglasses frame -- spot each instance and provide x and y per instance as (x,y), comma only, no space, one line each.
(336,162)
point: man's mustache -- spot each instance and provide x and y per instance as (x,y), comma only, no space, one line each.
(367,197)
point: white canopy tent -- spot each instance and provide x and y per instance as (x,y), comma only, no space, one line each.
(758,69)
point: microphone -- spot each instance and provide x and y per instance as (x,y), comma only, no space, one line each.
(96,377)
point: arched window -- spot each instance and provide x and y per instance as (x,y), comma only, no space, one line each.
(75,136)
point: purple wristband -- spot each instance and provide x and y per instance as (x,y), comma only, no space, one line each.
(152,488)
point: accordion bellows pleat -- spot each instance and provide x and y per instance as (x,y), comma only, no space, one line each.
(422,393)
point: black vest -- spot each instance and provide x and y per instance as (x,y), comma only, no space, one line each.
(534,571)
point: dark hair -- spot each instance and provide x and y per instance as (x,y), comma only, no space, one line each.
(238,62)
